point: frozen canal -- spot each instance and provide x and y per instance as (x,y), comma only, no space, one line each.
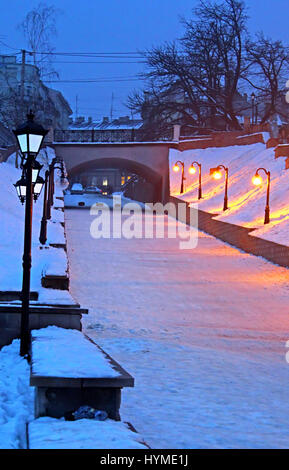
(202,331)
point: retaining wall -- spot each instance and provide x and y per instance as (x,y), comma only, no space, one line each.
(220,139)
(237,236)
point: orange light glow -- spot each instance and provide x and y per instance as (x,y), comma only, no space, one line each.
(176,168)
(257,180)
(192,170)
(217,175)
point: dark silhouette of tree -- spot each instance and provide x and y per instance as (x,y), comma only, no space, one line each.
(268,71)
(195,79)
(39,30)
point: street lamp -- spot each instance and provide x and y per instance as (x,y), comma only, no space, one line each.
(257,181)
(21,189)
(176,169)
(217,175)
(52,167)
(192,171)
(43,228)
(38,187)
(253,98)
(29,136)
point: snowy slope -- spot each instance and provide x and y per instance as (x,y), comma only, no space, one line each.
(12,230)
(246,201)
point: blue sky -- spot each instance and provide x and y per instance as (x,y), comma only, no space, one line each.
(119,26)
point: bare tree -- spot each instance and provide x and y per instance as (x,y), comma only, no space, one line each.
(268,67)
(205,66)
(39,29)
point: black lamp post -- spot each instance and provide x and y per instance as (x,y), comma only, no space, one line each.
(176,168)
(43,227)
(29,137)
(192,171)
(52,167)
(217,175)
(257,180)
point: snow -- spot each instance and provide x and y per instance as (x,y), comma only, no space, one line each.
(55,233)
(73,200)
(77,187)
(49,433)
(17,409)
(202,331)
(57,352)
(246,201)
(16,397)
(54,261)
(57,215)
(12,231)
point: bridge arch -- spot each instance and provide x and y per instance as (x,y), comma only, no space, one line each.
(150,160)
(151,176)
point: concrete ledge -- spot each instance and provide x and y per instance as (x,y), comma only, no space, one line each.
(57,395)
(51,281)
(238,236)
(8,296)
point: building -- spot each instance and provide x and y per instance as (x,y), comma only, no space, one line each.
(21,89)
(122,129)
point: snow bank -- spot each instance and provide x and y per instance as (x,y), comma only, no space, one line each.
(12,228)
(58,352)
(246,201)
(50,433)
(16,397)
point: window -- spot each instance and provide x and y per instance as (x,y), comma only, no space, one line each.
(104,182)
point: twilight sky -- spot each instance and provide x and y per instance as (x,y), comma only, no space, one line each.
(90,26)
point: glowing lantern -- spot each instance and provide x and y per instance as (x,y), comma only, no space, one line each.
(192,170)
(217,175)
(257,180)
(176,168)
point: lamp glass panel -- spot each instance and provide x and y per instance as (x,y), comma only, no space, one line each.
(37,188)
(23,190)
(35,142)
(22,140)
(35,173)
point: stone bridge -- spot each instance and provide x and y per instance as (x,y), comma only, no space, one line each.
(147,159)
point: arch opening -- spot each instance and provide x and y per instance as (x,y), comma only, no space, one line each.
(135,180)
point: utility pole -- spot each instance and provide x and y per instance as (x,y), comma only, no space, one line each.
(23,53)
(76,107)
(111,108)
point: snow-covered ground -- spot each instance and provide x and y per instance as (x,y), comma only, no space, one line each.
(246,201)
(202,331)
(49,433)
(54,354)
(16,398)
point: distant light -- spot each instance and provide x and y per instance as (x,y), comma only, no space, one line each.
(257,180)
(176,168)
(217,175)
(192,170)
